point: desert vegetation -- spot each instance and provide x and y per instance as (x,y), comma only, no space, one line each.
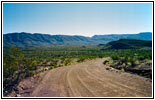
(23,62)
(19,63)
(134,61)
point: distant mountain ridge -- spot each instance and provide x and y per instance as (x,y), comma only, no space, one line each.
(112,37)
(29,40)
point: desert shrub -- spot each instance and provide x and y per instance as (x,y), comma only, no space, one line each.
(141,58)
(124,60)
(81,59)
(51,67)
(149,63)
(123,69)
(149,56)
(132,61)
(105,61)
(54,63)
(115,57)
(16,67)
(67,61)
(100,56)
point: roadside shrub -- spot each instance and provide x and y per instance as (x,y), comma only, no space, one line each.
(100,56)
(105,61)
(132,61)
(54,63)
(67,61)
(81,59)
(115,57)
(51,67)
(124,60)
(16,67)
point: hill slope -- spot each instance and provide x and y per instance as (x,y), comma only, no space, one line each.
(112,37)
(27,40)
(128,44)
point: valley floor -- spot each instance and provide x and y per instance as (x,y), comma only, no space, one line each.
(86,79)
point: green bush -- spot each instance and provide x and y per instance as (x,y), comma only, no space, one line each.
(67,61)
(124,60)
(81,59)
(149,63)
(132,61)
(51,67)
(53,63)
(115,57)
(100,56)
(105,61)
(141,58)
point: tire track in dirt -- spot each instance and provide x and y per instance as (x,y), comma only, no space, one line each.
(98,87)
(78,87)
(91,79)
(109,86)
(130,90)
(122,79)
(62,83)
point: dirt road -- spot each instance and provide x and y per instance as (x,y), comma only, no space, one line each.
(91,79)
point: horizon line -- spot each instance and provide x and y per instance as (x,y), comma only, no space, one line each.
(77,34)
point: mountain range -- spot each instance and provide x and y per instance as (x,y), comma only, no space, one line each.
(37,39)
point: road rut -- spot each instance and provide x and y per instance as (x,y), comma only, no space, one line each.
(91,79)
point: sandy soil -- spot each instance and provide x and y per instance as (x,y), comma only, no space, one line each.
(86,79)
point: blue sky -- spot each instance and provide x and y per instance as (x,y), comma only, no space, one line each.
(77,18)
